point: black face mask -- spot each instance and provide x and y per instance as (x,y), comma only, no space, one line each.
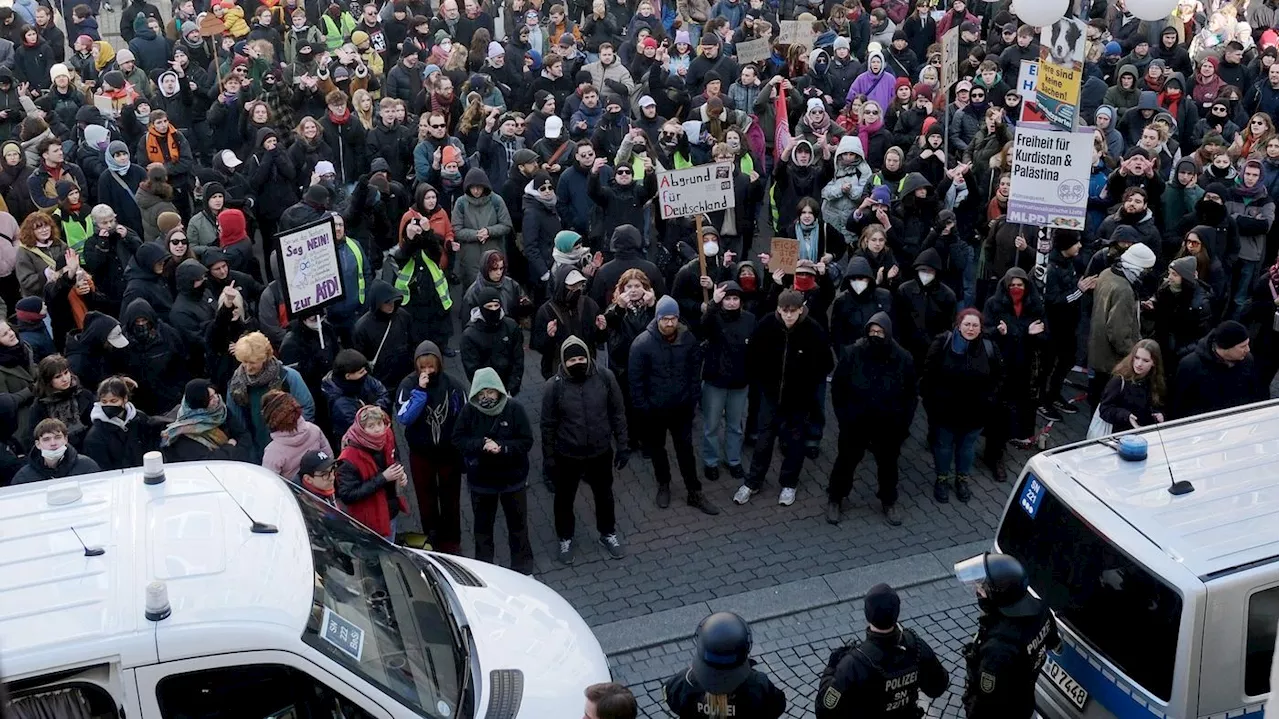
(493,317)
(571,296)
(112,412)
(142,332)
(731,315)
(488,402)
(878,345)
(1212,211)
(577,371)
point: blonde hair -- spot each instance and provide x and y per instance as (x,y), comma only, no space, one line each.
(372,414)
(254,347)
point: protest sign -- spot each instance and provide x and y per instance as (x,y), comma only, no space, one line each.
(784,253)
(753,51)
(1050,183)
(696,190)
(309,267)
(1061,71)
(1027,80)
(950,57)
(796,32)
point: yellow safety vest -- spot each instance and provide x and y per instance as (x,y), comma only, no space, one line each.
(437,278)
(355,250)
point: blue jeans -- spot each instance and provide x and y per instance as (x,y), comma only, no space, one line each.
(1246,273)
(731,405)
(951,446)
(816,422)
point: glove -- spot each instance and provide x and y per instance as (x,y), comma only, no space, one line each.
(621,458)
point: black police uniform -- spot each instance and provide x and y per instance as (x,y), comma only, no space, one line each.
(1004,660)
(755,698)
(880,676)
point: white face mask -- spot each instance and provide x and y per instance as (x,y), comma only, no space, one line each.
(54,455)
(925,277)
(312,323)
(710,248)
(860,286)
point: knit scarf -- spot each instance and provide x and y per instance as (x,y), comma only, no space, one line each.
(271,377)
(16,356)
(357,436)
(1250,193)
(201,425)
(120,168)
(64,405)
(573,258)
(808,238)
(339,119)
(864,133)
(1171,102)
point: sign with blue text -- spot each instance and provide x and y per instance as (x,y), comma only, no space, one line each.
(309,271)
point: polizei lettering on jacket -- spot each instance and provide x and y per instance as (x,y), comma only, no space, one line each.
(1036,156)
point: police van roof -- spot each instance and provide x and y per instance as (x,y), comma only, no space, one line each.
(228,588)
(1232,458)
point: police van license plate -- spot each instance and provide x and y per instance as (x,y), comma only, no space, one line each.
(1069,687)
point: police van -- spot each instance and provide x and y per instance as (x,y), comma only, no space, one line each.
(216,589)
(1162,571)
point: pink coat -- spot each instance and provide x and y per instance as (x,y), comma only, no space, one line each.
(284,452)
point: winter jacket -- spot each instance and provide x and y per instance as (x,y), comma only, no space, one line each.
(1205,383)
(143,283)
(1018,347)
(582,418)
(873,388)
(428,415)
(959,389)
(1114,326)
(1182,318)
(364,491)
(1124,397)
(286,449)
(853,310)
(576,318)
(72,464)
(663,375)
(619,204)
(923,311)
(120,443)
(499,345)
(193,308)
(727,336)
(470,214)
(509,427)
(158,358)
(346,397)
(347,140)
(386,340)
(628,253)
(788,364)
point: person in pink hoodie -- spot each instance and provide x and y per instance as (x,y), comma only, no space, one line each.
(291,435)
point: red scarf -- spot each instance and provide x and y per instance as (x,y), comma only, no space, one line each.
(996,209)
(1156,85)
(1170,102)
(340,119)
(865,130)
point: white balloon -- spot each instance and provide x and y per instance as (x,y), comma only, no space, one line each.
(1151,10)
(1040,13)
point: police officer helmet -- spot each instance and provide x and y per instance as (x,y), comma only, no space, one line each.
(1003,581)
(721,660)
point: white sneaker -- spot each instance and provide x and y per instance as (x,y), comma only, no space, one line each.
(743,495)
(787,497)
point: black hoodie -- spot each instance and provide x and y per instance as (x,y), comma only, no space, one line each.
(91,359)
(572,317)
(873,387)
(627,249)
(194,307)
(141,281)
(157,357)
(271,176)
(924,311)
(853,309)
(385,339)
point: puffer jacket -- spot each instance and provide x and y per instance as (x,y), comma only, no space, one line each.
(841,196)
(346,397)
(663,375)
(582,418)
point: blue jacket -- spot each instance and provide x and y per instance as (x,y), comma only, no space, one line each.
(110,192)
(346,397)
(572,201)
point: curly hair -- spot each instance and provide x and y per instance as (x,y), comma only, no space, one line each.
(254,347)
(34,221)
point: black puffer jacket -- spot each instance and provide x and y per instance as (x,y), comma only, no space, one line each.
(119,447)
(874,385)
(272,176)
(1205,383)
(73,464)
(788,364)
(582,418)
(540,225)
(156,356)
(386,337)
(664,374)
(923,311)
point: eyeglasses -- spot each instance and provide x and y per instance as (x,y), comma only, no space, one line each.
(870,112)
(622,171)
(177,242)
(1259,123)
(977,95)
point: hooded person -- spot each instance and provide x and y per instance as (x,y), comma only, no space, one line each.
(479,217)
(797,175)
(626,248)
(1124,94)
(493,340)
(584,438)
(841,196)
(1115,141)
(428,401)
(202,429)
(144,279)
(860,300)
(1016,313)
(385,334)
(727,329)
(873,389)
(1114,325)
(925,306)
(494,436)
(156,351)
(348,387)
(272,177)
(568,312)
(193,309)
(494,275)
(234,240)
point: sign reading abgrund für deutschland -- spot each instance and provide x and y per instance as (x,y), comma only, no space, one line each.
(696,190)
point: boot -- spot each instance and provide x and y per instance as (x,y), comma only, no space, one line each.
(941,488)
(962,488)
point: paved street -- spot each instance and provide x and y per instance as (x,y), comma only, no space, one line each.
(681,563)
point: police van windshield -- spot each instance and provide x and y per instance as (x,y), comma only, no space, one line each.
(1113,603)
(381,614)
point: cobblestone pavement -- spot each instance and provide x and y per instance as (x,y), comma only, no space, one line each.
(793,650)
(679,556)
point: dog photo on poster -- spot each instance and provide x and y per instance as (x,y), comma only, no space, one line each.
(1061,70)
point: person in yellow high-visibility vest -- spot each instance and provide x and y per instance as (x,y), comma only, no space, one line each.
(414,270)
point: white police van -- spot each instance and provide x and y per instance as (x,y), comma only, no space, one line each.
(1167,602)
(223,591)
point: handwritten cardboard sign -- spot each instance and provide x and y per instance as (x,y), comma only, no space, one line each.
(784,253)
(211,26)
(796,32)
(753,50)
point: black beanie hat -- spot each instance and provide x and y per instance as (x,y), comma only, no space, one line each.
(574,350)
(881,606)
(196,394)
(348,361)
(1229,334)
(1064,240)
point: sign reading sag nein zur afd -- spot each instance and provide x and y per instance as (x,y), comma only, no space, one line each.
(696,190)
(309,267)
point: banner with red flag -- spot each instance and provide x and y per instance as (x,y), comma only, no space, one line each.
(782,125)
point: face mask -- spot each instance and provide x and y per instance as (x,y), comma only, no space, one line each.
(112,411)
(577,371)
(925,277)
(710,248)
(572,296)
(804,283)
(487,402)
(54,455)
(747,283)
(491,316)
(1017,293)
(734,144)
(312,323)
(877,342)
(860,286)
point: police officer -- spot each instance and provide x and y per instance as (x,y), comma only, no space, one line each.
(1014,632)
(720,681)
(882,674)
